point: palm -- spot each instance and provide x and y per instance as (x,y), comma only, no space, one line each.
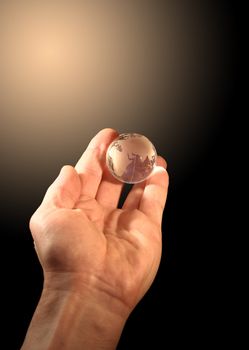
(119,248)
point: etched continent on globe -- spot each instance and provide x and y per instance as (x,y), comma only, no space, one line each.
(131,158)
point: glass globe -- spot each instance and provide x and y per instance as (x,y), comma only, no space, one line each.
(131,158)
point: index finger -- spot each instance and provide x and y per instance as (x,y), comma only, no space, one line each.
(154,196)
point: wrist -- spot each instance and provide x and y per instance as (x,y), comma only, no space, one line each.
(88,288)
(73,315)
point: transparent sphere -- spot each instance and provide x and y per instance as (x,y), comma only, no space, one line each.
(131,158)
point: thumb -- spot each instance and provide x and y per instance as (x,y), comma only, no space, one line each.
(64,191)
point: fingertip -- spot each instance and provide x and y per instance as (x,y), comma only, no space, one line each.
(159,176)
(66,170)
(102,139)
(67,173)
(161,162)
(64,191)
(110,132)
(160,170)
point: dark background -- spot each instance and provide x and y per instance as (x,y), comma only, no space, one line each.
(187,302)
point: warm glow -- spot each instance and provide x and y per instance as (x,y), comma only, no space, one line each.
(48,53)
(70,68)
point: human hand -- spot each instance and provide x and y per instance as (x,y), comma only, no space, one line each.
(98,260)
(84,242)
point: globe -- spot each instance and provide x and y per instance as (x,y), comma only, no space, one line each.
(131,158)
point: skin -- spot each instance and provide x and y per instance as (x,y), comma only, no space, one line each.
(98,260)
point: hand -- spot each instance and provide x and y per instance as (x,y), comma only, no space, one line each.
(84,242)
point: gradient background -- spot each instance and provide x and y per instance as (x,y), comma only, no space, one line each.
(163,69)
